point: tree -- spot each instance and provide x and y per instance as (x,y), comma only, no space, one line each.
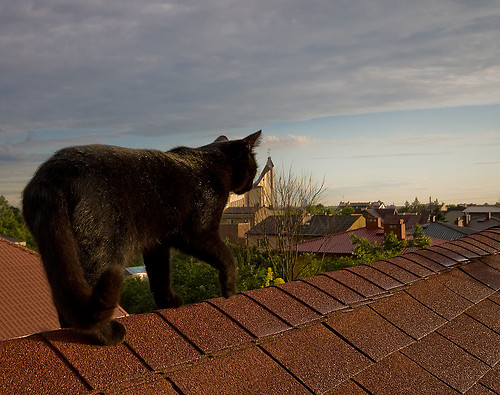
(419,239)
(416,206)
(365,251)
(436,210)
(406,208)
(294,196)
(12,223)
(320,209)
(347,211)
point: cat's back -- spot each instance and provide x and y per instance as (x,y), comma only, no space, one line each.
(97,167)
(97,160)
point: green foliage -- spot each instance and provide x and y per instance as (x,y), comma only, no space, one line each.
(365,252)
(12,224)
(347,210)
(419,239)
(320,209)
(437,210)
(251,265)
(136,297)
(196,280)
(193,279)
(415,207)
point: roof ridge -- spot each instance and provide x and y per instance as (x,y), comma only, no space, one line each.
(19,246)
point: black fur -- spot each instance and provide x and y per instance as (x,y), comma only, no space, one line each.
(93,208)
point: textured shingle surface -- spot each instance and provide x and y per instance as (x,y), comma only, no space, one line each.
(26,305)
(426,322)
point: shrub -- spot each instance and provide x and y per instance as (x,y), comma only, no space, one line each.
(136,297)
(195,280)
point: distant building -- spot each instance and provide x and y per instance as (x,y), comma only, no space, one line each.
(480,217)
(482,212)
(409,219)
(340,244)
(242,212)
(322,225)
(262,192)
(379,213)
(137,271)
(250,215)
(267,233)
(235,233)
(14,240)
(359,207)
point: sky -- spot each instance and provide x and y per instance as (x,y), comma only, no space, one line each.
(382,99)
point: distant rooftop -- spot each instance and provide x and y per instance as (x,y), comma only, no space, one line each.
(444,230)
(482,209)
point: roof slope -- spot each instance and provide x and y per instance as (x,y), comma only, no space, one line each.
(341,243)
(321,225)
(425,322)
(26,305)
(444,231)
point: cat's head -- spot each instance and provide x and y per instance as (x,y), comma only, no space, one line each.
(241,156)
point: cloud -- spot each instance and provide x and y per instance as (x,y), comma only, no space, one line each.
(150,68)
(287,141)
(10,153)
(488,163)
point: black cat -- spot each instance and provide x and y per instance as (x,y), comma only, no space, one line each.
(94,208)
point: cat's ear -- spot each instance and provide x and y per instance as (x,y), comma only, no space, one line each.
(221,139)
(253,140)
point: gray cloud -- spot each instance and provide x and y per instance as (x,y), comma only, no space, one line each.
(10,153)
(150,67)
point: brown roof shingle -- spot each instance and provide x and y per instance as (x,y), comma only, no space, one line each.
(26,305)
(383,328)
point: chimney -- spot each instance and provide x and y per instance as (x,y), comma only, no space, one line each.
(460,222)
(466,219)
(373,223)
(488,216)
(399,229)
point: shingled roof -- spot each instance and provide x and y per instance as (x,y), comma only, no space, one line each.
(424,322)
(25,301)
(341,243)
(26,305)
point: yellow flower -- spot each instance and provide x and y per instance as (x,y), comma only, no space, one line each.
(278,281)
(269,277)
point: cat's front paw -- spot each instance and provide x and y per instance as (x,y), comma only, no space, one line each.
(228,292)
(168,301)
(176,301)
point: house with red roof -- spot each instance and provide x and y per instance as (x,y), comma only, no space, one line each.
(340,244)
(307,227)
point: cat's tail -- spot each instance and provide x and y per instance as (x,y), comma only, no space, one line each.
(78,304)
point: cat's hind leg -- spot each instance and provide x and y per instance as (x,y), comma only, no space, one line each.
(210,248)
(157,262)
(101,306)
